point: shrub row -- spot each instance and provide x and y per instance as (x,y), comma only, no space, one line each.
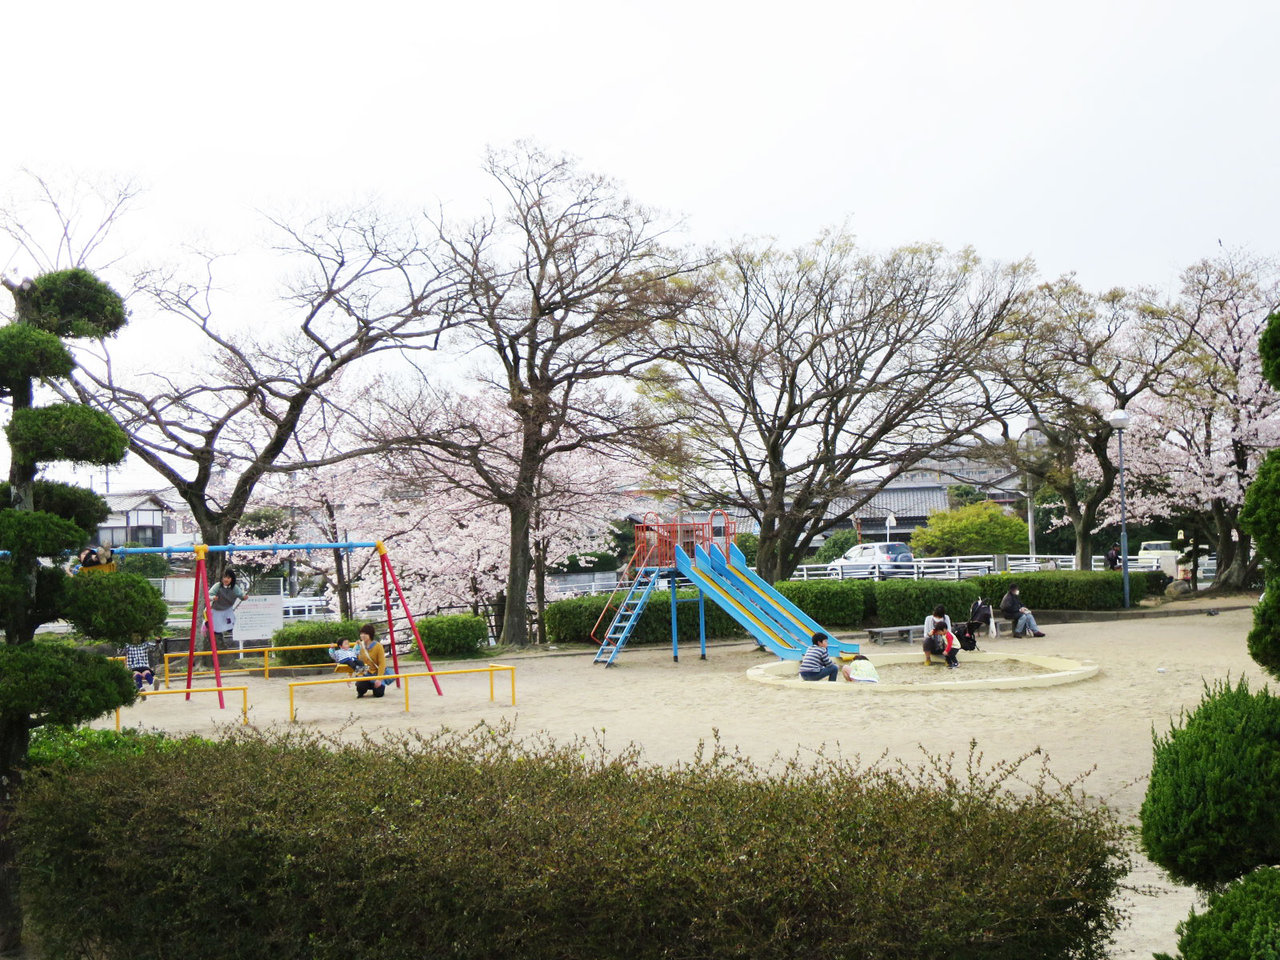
(854,603)
(453,636)
(280,846)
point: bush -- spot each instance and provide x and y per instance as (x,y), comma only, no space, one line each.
(1240,923)
(838,603)
(836,545)
(975,528)
(1264,635)
(46,683)
(572,620)
(900,602)
(454,636)
(114,607)
(312,631)
(1212,808)
(560,852)
(84,746)
(1057,589)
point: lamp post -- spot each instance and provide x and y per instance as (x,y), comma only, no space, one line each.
(1119,420)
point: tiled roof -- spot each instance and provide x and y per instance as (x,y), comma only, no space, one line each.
(903,502)
(132,499)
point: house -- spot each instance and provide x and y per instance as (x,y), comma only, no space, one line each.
(139,516)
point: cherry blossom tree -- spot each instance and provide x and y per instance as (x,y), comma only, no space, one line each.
(1200,433)
(557,293)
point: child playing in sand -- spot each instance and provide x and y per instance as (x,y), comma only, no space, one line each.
(943,642)
(860,670)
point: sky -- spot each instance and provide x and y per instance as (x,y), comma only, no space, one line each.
(1119,140)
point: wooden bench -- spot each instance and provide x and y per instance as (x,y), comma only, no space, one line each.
(910,633)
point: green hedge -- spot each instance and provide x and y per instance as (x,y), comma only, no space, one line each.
(833,603)
(312,631)
(453,636)
(473,847)
(853,603)
(571,621)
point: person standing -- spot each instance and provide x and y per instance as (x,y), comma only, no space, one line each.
(223,599)
(1113,557)
(816,663)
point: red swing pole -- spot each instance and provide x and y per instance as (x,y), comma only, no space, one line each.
(386,599)
(202,594)
(404,605)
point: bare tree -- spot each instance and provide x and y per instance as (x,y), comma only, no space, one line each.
(367,289)
(556,297)
(815,377)
(1070,358)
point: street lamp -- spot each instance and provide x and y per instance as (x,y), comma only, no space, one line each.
(1119,420)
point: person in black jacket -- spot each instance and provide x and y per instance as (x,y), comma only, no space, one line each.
(1024,622)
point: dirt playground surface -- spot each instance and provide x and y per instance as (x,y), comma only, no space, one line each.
(1149,670)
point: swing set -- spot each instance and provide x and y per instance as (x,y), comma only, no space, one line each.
(201,603)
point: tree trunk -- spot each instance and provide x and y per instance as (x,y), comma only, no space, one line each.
(341,586)
(15,736)
(540,589)
(515,620)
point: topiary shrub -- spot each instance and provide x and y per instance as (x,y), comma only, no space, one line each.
(1241,922)
(114,607)
(1264,635)
(47,683)
(1212,808)
(454,636)
(309,632)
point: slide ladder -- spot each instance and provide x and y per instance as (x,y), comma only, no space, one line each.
(628,615)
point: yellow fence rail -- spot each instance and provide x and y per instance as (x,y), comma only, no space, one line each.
(266,652)
(491,669)
(244,695)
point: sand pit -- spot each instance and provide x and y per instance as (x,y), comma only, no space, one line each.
(1101,726)
(904,672)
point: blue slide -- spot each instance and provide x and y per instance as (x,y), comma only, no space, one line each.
(773,621)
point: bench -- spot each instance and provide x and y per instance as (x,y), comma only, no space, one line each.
(909,633)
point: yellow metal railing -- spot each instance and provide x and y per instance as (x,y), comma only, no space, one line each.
(266,652)
(244,694)
(491,669)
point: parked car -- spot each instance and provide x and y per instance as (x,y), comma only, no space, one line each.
(1163,553)
(878,560)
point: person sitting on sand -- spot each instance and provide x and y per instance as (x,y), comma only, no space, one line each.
(817,664)
(939,615)
(860,670)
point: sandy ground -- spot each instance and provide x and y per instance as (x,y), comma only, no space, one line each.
(1100,727)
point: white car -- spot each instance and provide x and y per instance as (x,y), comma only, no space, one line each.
(878,560)
(1163,553)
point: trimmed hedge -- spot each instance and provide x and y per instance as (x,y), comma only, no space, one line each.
(471,846)
(854,603)
(453,636)
(312,631)
(571,621)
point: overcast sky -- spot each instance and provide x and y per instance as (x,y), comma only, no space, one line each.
(1120,140)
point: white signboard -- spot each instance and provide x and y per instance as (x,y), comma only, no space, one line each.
(257,618)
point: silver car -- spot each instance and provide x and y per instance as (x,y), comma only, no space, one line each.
(876,560)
